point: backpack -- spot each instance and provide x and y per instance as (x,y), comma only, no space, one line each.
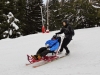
(70,30)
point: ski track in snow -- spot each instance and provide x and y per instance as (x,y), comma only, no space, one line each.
(84,58)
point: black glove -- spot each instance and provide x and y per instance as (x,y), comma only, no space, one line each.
(56,34)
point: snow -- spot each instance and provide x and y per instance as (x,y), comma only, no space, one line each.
(14,25)
(10,15)
(44,1)
(16,20)
(7,2)
(84,58)
(96,6)
(12,21)
(55,10)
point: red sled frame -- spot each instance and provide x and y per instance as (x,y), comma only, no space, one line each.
(46,58)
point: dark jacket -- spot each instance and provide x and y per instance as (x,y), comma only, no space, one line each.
(67,31)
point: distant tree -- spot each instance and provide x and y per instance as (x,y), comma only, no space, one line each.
(33,20)
(89,13)
(3,19)
(54,15)
(37,15)
(98,17)
(68,11)
(5,26)
(79,13)
(96,5)
(11,27)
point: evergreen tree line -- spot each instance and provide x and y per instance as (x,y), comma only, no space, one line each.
(26,12)
(79,13)
(23,17)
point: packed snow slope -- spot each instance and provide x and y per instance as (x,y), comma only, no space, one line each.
(84,58)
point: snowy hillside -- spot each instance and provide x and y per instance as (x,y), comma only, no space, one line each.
(84,58)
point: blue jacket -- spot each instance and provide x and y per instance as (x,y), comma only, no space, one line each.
(51,42)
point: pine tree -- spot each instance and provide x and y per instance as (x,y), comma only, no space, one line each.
(28,12)
(22,14)
(79,13)
(54,15)
(33,19)
(89,13)
(13,30)
(3,19)
(1,11)
(82,13)
(37,14)
(8,6)
(68,11)
(97,4)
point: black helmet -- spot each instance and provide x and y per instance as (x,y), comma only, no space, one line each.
(65,20)
(54,37)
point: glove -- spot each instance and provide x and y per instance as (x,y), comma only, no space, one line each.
(56,34)
(46,45)
(48,48)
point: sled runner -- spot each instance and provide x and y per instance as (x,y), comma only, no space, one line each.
(46,60)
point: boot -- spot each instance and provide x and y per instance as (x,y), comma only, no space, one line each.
(34,57)
(59,52)
(39,57)
(67,53)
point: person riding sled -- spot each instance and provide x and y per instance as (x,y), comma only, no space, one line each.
(50,47)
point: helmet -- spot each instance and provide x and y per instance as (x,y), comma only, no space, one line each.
(65,20)
(54,37)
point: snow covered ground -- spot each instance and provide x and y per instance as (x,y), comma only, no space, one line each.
(84,58)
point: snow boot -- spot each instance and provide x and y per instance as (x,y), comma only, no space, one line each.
(39,57)
(34,57)
(59,52)
(67,53)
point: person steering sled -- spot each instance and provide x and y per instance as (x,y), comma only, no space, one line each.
(51,46)
(68,31)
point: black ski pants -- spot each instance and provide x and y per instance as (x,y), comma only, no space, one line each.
(43,51)
(65,42)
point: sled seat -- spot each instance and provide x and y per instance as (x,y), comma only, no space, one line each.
(54,52)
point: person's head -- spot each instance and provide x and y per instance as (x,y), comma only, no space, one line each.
(65,22)
(54,37)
